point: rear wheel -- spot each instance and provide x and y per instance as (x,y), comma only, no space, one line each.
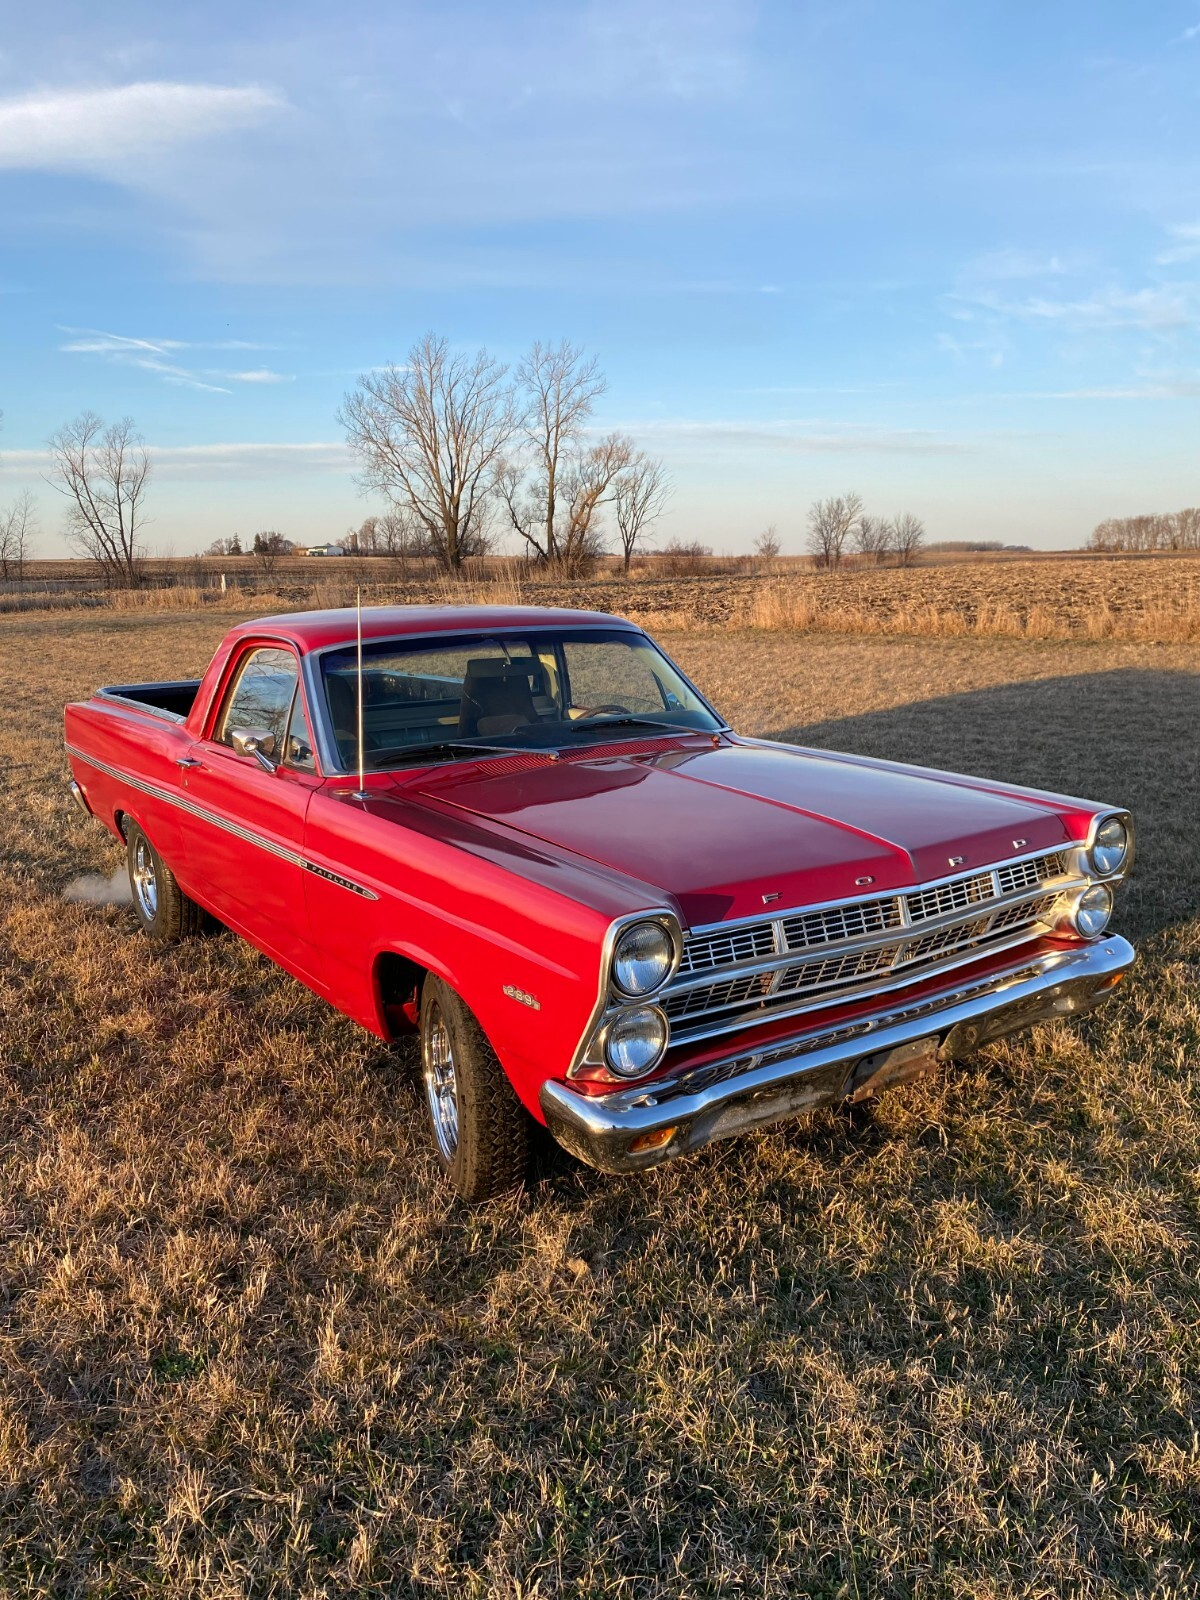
(481,1131)
(164,911)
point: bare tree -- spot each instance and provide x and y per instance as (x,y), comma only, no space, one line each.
(558,388)
(268,547)
(103,472)
(1173,530)
(431,436)
(17,523)
(907,537)
(640,495)
(679,560)
(587,482)
(366,537)
(830,523)
(872,538)
(767,547)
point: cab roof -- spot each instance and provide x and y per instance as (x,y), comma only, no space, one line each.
(317,630)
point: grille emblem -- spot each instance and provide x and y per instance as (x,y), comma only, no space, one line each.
(956,861)
(770,899)
(861,883)
(1019,844)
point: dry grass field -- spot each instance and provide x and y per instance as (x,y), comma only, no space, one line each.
(250,1347)
(1047,596)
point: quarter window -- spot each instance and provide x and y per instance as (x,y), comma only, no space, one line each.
(298,751)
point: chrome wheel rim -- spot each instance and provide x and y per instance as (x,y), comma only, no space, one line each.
(441,1084)
(145,882)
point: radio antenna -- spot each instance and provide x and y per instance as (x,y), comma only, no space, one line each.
(362,775)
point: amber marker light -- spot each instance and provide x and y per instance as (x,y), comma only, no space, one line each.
(651,1141)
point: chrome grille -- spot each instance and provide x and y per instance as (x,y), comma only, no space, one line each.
(858,919)
(872,959)
(729,949)
(944,898)
(835,923)
(1018,875)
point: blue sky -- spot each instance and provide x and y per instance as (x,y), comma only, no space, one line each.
(946,255)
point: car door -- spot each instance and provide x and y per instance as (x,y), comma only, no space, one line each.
(245,847)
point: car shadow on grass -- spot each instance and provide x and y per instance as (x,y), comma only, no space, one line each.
(1128,737)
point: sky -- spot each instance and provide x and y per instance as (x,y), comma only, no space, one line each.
(944,255)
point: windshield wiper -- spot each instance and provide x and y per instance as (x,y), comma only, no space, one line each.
(584,723)
(448,747)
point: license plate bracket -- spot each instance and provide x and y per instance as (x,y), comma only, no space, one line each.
(874,1073)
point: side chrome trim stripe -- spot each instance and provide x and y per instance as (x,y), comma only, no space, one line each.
(204,814)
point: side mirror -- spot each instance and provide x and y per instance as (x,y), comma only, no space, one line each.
(256,742)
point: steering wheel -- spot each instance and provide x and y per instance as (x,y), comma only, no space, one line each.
(603,711)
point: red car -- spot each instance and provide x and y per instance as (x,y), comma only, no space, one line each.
(600,907)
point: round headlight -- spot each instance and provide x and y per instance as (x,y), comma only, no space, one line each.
(635,1041)
(642,958)
(1093,910)
(1111,846)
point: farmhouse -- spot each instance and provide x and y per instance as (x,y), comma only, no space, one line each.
(324,550)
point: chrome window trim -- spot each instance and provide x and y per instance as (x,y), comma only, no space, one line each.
(205,814)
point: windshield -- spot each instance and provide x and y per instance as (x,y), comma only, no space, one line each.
(503,691)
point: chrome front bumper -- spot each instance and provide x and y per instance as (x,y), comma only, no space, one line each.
(791,1077)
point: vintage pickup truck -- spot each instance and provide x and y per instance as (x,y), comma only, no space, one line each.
(526,835)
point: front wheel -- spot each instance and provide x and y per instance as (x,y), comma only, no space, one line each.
(164,911)
(481,1131)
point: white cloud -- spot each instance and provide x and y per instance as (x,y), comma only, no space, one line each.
(1186,247)
(259,375)
(1168,389)
(1166,307)
(1009,263)
(149,355)
(801,437)
(110,130)
(242,460)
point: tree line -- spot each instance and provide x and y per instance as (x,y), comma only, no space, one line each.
(1162,530)
(460,447)
(465,452)
(840,525)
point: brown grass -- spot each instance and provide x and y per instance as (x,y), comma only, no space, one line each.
(250,1347)
(792,608)
(1048,597)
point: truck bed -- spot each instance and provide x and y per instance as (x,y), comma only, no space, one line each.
(170,700)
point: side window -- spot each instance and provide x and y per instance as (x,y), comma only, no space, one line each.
(298,750)
(261,697)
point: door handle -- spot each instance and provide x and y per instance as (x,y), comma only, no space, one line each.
(188,761)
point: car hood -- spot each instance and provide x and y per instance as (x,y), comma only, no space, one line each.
(727,830)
